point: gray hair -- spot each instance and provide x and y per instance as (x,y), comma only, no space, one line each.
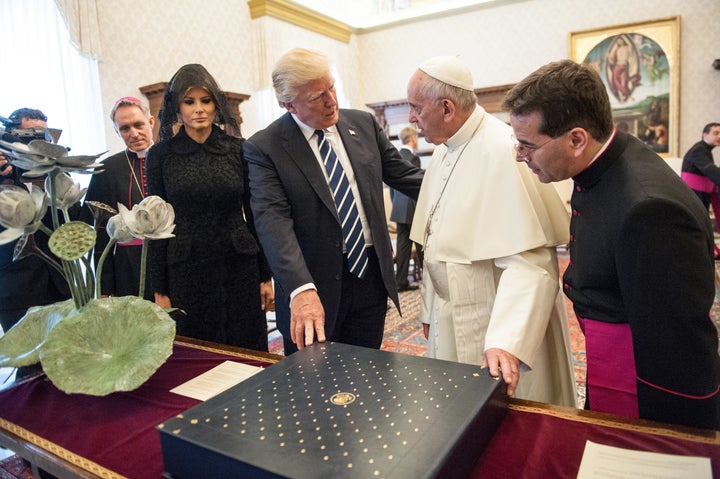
(128,101)
(295,69)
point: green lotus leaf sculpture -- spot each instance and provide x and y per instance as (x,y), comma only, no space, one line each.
(112,344)
(88,344)
(22,343)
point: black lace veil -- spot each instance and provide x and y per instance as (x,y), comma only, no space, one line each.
(189,76)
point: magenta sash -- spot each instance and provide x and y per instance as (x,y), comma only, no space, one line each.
(611,374)
(698,182)
(702,183)
(135,242)
(715,202)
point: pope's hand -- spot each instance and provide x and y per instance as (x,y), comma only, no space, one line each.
(497,360)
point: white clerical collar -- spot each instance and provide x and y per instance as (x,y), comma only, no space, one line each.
(467,130)
(309,131)
(602,150)
(141,153)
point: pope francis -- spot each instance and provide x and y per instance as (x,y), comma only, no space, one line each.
(490,290)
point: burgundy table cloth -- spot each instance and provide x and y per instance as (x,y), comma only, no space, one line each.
(537,440)
(115,432)
(115,436)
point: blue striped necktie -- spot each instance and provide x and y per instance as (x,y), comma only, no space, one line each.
(346,208)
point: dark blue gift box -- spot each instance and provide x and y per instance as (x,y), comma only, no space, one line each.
(339,411)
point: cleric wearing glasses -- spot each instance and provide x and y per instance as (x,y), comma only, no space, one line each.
(641,266)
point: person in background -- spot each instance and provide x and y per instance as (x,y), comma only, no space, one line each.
(641,274)
(701,173)
(213,269)
(330,251)
(491,291)
(402,212)
(123,180)
(30,281)
(20,119)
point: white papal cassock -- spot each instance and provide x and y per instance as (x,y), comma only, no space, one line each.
(490,229)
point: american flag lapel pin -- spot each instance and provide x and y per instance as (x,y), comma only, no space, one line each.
(351,131)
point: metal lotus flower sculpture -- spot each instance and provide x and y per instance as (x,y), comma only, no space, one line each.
(87,344)
(40,158)
(21,211)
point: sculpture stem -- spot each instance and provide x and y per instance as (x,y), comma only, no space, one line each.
(143,263)
(98,272)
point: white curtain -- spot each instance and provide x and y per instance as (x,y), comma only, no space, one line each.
(40,68)
(81,17)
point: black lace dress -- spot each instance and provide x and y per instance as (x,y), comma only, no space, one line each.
(213,267)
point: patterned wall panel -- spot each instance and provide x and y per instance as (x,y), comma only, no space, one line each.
(145,42)
(502,44)
(272,38)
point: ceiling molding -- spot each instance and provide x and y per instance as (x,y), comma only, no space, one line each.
(300,16)
(379,20)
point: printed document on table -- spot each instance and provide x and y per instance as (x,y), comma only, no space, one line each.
(601,461)
(218,379)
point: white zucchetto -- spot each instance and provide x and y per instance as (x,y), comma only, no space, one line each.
(449,70)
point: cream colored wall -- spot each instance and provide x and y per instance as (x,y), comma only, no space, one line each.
(503,44)
(273,38)
(145,42)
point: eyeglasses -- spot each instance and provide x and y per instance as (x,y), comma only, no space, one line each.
(522,150)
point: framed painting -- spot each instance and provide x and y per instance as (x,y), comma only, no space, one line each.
(640,66)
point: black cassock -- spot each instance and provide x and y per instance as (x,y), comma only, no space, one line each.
(122,181)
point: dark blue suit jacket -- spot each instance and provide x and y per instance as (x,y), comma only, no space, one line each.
(295,214)
(403,207)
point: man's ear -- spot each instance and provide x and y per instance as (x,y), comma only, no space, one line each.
(151,121)
(289,107)
(449,108)
(579,139)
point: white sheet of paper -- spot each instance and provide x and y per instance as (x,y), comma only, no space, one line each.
(216,380)
(600,461)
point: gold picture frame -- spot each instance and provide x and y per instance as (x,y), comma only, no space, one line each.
(640,66)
